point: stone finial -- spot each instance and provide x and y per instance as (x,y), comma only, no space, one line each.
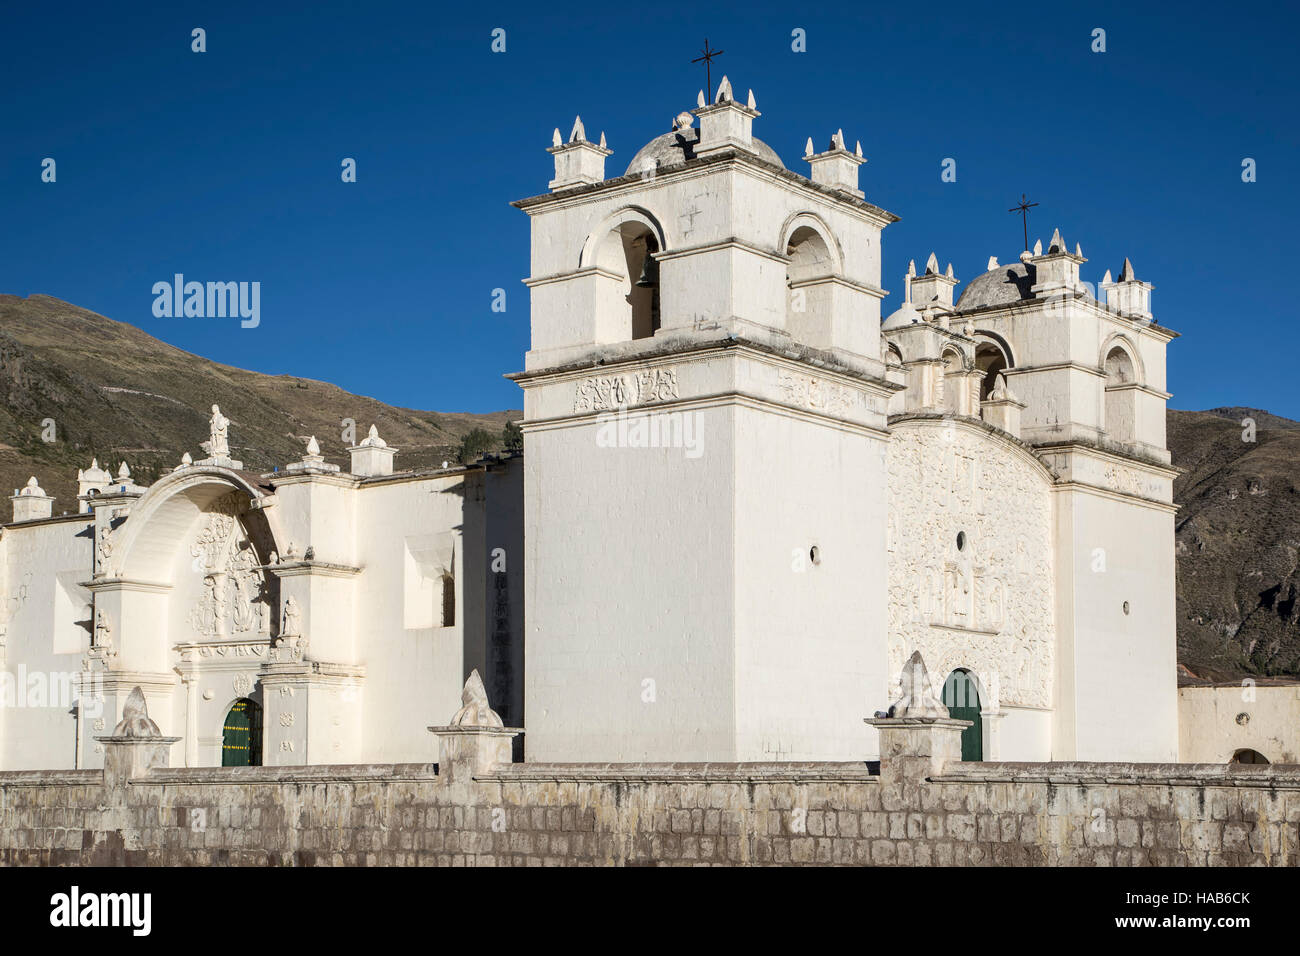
(1001,391)
(556,138)
(1038,247)
(993,264)
(948,271)
(31,502)
(934,288)
(123,471)
(857,150)
(684,120)
(751,102)
(1078,250)
(700,101)
(372,456)
(1106,279)
(186,461)
(311,461)
(475,711)
(911,268)
(1057,244)
(724,92)
(808,148)
(837,168)
(918,698)
(475,741)
(578,162)
(135,720)
(1129,296)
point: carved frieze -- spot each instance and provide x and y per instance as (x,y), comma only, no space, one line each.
(606,392)
(818,394)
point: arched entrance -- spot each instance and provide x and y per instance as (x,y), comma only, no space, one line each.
(241,735)
(1248,756)
(962,698)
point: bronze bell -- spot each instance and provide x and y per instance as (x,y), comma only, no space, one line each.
(649,276)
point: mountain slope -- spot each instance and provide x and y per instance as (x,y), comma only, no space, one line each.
(1238,542)
(116,393)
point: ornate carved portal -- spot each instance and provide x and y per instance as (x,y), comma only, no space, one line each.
(237,598)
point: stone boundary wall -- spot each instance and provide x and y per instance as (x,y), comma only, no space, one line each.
(916,807)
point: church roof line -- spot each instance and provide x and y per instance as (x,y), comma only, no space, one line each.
(693,165)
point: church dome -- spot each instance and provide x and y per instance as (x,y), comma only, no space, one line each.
(901,317)
(1001,285)
(677,146)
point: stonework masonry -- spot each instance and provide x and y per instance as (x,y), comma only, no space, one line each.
(916,807)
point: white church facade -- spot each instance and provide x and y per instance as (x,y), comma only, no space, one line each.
(744,501)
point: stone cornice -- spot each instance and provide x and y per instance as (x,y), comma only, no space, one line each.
(289,569)
(1029,452)
(801,356)
(1116,455)
(280,479)
(53,519)
(732,157)
(125,584)
(534,281)
(1132,323)
(727,242)
(1062,486)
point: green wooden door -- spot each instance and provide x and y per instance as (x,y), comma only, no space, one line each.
(241,735)
(962,699)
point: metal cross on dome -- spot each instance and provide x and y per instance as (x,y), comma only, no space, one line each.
(706,58)
(1023,208)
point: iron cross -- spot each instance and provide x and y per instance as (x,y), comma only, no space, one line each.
(1023,209)
(707,58)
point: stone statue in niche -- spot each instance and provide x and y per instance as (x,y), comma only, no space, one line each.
(291,620)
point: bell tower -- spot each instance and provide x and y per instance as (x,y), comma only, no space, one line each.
(705,441)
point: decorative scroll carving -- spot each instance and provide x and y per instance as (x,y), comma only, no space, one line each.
(988,606)
(603,393)
(817,394)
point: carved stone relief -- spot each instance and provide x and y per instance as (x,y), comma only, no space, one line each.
(236,596)
(817,394)
(606,392)
(988,605)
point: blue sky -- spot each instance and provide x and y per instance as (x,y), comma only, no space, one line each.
(226,165)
